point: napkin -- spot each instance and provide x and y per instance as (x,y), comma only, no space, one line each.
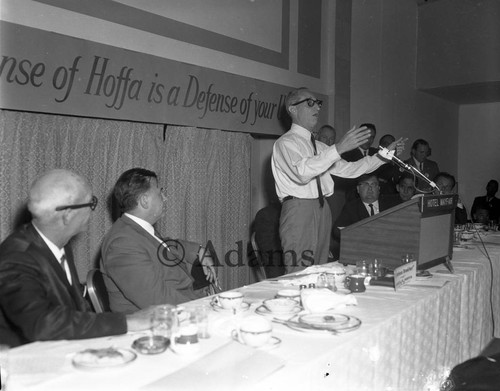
(320,300)
(231,367)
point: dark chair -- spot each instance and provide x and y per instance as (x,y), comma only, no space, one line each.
(260,271)
(97,291)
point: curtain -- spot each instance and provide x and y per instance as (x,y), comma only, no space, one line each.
(205,173)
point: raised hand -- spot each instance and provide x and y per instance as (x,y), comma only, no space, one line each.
(353,139)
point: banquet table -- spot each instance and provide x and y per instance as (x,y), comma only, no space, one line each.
(408,340)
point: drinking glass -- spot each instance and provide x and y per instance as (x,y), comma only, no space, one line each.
(164,321)
(407,258)
(201,313)
(362,268)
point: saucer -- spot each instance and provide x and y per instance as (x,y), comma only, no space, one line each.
(264,311)
(92,359)
(244,307)
(271,344)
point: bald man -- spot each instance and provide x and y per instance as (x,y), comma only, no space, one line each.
(40,295)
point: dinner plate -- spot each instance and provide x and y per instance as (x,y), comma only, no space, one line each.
(264,311)
(244,307)
(325,320)
(88,359)
(350,325)
(271,344)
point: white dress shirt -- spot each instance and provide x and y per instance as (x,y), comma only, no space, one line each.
(376,208)
(144,224)
(295,166)
(58,253)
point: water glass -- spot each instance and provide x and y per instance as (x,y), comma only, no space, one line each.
(164,321)
(362,268)
(407,258)
(4,366)
(201,313)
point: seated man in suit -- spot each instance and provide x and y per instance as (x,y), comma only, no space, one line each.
(327,135)
(420,151)
(40,295)
(140,268)
(488,202)
(405,187)
(368,204)
(446,183)
(357,154)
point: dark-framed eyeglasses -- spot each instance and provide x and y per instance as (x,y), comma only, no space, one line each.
(310,102)
(92,205)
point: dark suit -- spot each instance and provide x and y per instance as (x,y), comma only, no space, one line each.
(349,184)
(354,211)
(492,206)
(134,273)
(430,170)
(36,300)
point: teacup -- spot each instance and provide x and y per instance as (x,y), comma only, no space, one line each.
(293,294)
(355,283)
(280,305)
(255,331)
(230,300)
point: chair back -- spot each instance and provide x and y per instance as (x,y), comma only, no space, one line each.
(259,269)
(97,291)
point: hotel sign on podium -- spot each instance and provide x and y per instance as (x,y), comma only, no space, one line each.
(422,226)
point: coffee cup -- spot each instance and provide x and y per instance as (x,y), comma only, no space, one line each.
(230,300)
(355,283)
(255,331)
(293,294)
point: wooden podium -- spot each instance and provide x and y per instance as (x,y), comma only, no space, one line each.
(422,226)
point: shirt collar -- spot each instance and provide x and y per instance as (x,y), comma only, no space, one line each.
(58,252)
(143,223)
(301,131)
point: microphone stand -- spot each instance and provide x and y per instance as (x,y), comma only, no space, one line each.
(385,153)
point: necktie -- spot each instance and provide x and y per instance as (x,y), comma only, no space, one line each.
(372,211)
(318,182)
(64,265)
(365,152)
(421,166)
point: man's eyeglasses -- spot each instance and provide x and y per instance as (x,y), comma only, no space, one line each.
(92,205)
(310,102)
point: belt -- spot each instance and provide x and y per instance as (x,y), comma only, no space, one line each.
(287,198)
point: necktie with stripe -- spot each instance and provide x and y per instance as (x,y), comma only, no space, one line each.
(372,211)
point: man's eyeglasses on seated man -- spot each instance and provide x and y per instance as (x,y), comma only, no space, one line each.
(310,102)
(92,205)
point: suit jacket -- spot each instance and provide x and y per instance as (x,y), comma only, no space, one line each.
(139,271)
(348,185)
(430,170)
(36,300)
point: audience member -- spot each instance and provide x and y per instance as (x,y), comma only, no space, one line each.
(488,202)
(302,172)
(420,151)
(406,187)
(388,175)
(327,134)
(40,294)
(369,203)
(267,236)
(140,267)
(356,154)
(446,184)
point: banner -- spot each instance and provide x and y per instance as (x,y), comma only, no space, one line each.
(47,72)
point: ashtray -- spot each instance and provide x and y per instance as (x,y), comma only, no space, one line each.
(151,345)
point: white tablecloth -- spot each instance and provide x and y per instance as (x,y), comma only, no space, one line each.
(409,340)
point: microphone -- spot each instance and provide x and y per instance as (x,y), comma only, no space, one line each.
(389,155)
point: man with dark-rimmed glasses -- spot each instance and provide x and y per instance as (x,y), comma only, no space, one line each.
(302,169)
(40,295)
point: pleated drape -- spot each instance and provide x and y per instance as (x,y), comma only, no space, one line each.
(205,173)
